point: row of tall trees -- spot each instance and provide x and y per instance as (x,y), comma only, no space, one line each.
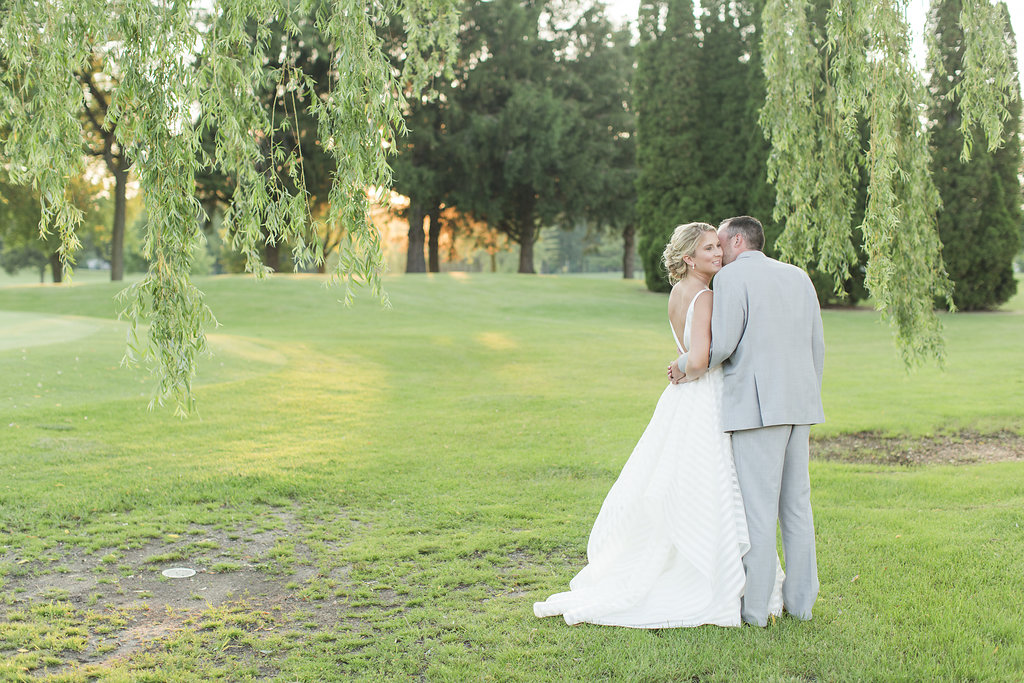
(531,128)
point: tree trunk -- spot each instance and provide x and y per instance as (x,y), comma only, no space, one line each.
(433,235)
(56,269)
(527,231)
(42,274)
(494,262)
(117,233)
(328,244)
(628,251)
(209,209)
(272,256)
(414,262)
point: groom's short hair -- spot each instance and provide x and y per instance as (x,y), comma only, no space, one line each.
(749,227)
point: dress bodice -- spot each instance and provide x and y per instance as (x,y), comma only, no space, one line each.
(684,347)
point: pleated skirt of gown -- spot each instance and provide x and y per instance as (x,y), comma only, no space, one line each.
(666,549)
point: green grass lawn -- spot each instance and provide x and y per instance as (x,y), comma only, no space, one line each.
(405,483)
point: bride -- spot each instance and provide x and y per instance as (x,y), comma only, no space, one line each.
(666,549)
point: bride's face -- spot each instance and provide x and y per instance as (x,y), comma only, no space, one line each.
(707,258)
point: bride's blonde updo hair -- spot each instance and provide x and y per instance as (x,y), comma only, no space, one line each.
(684,242)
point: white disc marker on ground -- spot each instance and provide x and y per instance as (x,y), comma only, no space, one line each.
(178,572)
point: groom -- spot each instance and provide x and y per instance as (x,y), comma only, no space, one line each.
(766,332)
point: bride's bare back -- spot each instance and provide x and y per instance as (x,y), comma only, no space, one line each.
(679,301)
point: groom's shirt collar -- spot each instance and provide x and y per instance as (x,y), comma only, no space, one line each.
(752,253)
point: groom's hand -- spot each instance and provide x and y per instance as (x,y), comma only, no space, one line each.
(675,375)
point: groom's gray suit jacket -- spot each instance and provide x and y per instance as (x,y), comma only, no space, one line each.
(766,332)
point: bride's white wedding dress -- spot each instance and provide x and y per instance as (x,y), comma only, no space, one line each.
(666,549)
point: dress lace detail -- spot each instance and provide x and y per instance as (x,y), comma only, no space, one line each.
(666,549)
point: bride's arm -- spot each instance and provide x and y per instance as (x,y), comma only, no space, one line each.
(700,337)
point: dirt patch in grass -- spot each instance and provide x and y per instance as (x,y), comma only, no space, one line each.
(137,607)
(227,565)
(963,448)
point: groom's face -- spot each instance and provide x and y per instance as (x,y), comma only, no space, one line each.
(728,245)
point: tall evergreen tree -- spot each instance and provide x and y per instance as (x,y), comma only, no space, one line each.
(1010,158)
(508,122)
(760,193)
(711,85)
(980,219)
(724,122)
(601,69)
(732,151)
(533,125)
(668,146)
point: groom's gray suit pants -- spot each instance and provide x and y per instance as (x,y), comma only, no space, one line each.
(771,465)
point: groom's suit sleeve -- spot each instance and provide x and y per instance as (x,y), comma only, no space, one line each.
(817,339)
(728,317)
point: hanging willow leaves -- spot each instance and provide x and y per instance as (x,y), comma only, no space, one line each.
(989,82)
(823,84)
(189,67)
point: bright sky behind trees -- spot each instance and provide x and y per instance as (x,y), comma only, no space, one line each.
(916,9)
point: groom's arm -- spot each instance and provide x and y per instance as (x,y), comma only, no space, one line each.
(728,318)
(817,338)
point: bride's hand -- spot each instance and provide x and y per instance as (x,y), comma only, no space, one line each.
(675,375)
